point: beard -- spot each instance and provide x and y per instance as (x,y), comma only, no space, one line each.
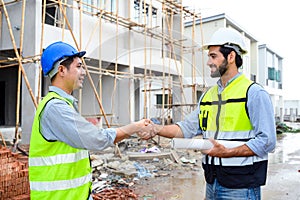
(218,71)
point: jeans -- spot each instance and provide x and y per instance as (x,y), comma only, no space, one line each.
(217,192)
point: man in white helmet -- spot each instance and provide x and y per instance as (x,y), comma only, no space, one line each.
(237,112)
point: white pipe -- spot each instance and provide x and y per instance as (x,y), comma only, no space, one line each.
(184,143)
(201,144)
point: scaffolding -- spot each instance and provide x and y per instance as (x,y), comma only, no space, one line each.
(173,47)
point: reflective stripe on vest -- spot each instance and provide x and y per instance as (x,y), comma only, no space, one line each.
(242,135)
(60,185)
(57,170)
(58,159)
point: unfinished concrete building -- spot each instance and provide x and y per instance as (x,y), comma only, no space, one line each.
(144,58)
(135,58)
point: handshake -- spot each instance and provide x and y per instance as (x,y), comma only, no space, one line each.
(147,129)
(144,128)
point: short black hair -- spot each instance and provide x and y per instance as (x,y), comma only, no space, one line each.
(226,51)
(68,62)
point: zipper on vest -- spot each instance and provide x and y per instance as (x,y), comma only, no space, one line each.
(218,116)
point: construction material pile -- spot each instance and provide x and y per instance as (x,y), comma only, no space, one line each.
(14,183)
(115,194)
(116,178)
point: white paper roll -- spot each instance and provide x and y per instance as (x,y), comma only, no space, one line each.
(201,144)
(183,143)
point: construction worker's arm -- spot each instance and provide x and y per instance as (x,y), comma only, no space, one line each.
(169,131)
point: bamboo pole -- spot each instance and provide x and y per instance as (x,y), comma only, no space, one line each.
(9,2)
(93,33)
(116,60)
(19,83)
(150,55)
(100,52)
(22,27)
(181,47)
(203,66)
(19,80)
(26,59)
(194,94)
(16,139)
(3,140)
(175,58)
(9,65)
(117,150)
(63,26)
(80,46)
(145,60)
(80,24)
(41,50)
(172,52)
(163,55)
(129,63)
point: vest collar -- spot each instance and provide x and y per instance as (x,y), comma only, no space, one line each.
(62,93)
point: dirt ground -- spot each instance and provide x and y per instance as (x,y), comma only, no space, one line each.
(170,180)
(187,182)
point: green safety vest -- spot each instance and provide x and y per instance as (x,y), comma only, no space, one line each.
(57,170)
(225,117)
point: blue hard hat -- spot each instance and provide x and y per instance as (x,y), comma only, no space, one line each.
(56,52)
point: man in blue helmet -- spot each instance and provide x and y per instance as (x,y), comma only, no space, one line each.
(59,164)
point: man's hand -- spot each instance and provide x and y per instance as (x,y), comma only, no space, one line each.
(218,150)
(146,132)
(149,130)
(145,129)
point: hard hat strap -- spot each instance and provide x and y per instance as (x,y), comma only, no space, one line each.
(234,47)
(55,67)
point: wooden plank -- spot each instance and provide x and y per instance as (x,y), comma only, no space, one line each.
(147,156)
(175,157)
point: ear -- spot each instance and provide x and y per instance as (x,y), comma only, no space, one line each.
(61,70)
(231,57)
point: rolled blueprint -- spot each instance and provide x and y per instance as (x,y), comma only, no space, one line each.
(183,143)
(201,144)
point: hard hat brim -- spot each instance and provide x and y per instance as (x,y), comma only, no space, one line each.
(78,54)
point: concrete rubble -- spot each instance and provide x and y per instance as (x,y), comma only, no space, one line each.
(139,162)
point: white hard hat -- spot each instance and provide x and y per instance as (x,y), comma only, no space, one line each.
(227,37)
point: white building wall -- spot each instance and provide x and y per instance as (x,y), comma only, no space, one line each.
(269,59)
(292,110)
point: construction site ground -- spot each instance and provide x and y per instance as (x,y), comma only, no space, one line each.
(178,174)
(153,171)
(189,184)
